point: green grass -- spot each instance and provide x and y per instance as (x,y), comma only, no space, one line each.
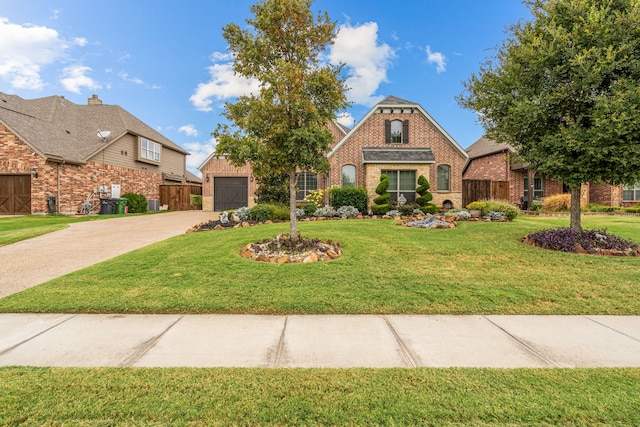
(475,268)
(479,397)
(16,228)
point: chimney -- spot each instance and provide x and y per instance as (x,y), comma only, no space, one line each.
(94,100)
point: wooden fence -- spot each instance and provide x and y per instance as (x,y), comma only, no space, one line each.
(178,197)
(483,189)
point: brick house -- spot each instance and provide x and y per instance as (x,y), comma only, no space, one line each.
(54,153)
(495,163)
(396,137)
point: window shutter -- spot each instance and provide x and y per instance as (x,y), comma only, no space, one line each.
(405,132)
(387,131)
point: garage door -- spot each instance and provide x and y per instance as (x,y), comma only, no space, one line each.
(15,194)
(230,193)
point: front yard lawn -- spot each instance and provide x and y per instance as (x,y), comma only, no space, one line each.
(359,397)
(16,228)
(476,268)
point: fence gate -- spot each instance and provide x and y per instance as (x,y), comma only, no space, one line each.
(483,189)
(178,197)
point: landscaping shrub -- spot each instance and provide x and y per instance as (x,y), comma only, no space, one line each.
(393,212)
(496,216)
(196,200)
(316,197)
(309,209)
(459,213)
(260,213)
(594,207)
(273,190)
(326,211)
(565,239)
(505,207)
(224,217)
(345,212)
(242,213)
(349,196)
(381,203)
(425,196)
(478,206)
(137,203)
(632,209)
(557,203)
(409,209)
(279,213)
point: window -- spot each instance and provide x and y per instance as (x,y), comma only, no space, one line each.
(444,172)
(631,193)
(402,182)
(307,182)
(149,150)
(348,175)
(538,187)
(396,131)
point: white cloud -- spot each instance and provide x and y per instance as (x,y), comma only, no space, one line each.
(199,152)
(189,130)
(224,84)
(437,58)
(125,76)
(346,119)
(80,41)
(24,50)
(74,78)
(366,61)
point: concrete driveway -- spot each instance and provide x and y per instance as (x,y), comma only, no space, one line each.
(37,260)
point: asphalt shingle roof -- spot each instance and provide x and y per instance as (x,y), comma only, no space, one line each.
(397,155)
(484,147)
(58,128)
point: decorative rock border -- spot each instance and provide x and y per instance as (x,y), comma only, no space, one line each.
(262,252)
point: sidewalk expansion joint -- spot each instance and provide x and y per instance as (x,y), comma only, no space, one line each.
(36,335)
(143,348)
(281,343)
(612,329)
(523,343)
(405,350)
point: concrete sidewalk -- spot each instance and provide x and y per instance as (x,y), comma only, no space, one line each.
(33,261)
(331,341)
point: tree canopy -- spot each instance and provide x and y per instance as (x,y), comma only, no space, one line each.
(564,91)
(283,128)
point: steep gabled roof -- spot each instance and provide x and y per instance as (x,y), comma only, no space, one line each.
(392,101)
(484,147)
(58,128)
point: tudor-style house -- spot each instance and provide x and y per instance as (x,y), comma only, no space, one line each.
(396,137)
(54,154)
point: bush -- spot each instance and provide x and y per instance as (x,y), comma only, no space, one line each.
(326,211)
(260,213)
(496,216)
(460,214)
(136,203)
(380,209)
(309,209)
(242,213)
(381,203)
(316,197)
(196,200)
(409,209)
(423,191)
(594,207)
(478,206)
(273,190)
(224,217)
(393,212)
(429,208)
(632,209)
(349,196)
(557,203)
(345,212)
(505,207)
(280,213)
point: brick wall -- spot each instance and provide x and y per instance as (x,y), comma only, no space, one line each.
(70,184)
(494,167)
(422,133)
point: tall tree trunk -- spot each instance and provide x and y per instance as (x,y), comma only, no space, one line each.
(293,221)
(575,208)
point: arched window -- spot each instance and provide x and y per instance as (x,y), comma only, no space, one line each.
(348,175)
(444,172)
(396,131)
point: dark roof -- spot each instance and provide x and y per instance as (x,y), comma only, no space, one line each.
(397,155)
(393,100)
(484,147)
(58,128)
(192,177)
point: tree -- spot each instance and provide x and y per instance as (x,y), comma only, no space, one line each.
(381,203)
(425,196)
(564,91)
(282,129)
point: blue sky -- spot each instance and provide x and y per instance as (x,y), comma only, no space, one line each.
(166,62)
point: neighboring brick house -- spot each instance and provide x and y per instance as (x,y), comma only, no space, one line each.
(54,154)
(490,161)
(396,137)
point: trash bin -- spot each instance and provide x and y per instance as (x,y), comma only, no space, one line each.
(108,206)
(121,206)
